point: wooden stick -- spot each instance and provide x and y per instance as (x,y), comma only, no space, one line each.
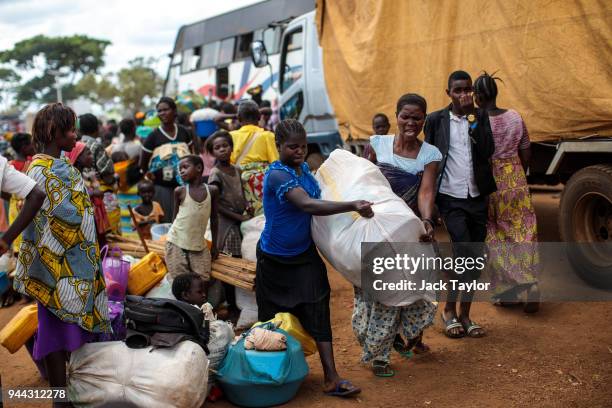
(234,274)
(235,282)
(144,244)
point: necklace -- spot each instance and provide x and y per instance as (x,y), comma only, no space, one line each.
(161,129)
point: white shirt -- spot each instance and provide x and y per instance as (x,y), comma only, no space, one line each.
(458,178)
(12,181)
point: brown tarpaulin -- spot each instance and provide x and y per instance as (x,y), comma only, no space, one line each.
(554,57)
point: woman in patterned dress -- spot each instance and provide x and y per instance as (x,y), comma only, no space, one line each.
(512,229)
(59,258)
(410,166)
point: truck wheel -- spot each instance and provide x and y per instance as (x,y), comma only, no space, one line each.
(315,160)
(586,216)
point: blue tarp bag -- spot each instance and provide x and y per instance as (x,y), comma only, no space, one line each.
(251,378)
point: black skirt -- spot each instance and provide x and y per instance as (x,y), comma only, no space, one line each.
(296,285)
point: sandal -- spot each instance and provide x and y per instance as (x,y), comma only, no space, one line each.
(450,325)
(382,369)
(344,388)
(470,327)
(421,348)
(401,347)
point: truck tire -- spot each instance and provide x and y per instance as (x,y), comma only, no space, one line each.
(315,160)
(585,215)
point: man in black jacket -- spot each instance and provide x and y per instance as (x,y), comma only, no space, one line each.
(463,135)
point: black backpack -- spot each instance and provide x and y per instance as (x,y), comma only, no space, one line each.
(148,319)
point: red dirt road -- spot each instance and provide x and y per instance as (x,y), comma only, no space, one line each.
(560,357)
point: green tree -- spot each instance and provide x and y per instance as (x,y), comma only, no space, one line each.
(99,90)
(72,56)
(8,80)
(137,82)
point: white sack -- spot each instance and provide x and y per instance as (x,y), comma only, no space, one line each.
(162,378)
(221,335)
(247,303)
(204,114)
(346,177)
(251,231)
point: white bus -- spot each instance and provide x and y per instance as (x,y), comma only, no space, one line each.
(212,56)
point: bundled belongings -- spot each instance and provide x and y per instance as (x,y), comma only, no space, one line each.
(154,378)
(20,328)
(252,378)
(163,323)
(345,177)
(220,336)
(292,325)
(262,339)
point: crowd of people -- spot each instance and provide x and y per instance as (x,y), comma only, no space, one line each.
(468,174)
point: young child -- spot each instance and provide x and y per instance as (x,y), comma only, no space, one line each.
(190,288)
(232,203)
(195,206)
(380,126)
(82,159)
(59,258)
(149,212)
(291,277)
(24,149)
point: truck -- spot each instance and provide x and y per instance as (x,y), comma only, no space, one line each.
(346,61)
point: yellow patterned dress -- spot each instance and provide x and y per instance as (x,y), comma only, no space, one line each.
(512,229)
(59,258)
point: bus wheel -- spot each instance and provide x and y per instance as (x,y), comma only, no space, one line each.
(315,160)
(586,216)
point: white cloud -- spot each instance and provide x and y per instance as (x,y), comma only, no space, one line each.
(136,28)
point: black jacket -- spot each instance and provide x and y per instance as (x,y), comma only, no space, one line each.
(437,133)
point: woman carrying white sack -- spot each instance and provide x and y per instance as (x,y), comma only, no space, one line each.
(410,166)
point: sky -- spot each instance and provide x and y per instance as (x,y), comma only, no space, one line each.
(136,28)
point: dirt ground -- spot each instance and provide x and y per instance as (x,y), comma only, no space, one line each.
(560,357)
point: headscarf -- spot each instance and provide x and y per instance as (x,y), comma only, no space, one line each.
(76,151)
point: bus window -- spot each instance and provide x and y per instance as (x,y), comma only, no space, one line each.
(226,51)
(243,46)
(210,54)
(292,59)
(194,63)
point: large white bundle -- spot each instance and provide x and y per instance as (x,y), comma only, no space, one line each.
(251,231)
(161,378)
(346,177)
(204,114)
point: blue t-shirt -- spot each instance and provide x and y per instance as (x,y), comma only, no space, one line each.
(287,229)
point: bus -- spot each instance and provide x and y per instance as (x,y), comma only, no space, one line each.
(212,56)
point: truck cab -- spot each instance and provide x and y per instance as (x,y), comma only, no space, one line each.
(301,86)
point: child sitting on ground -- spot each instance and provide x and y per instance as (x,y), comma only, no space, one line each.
(149,212)
(82,159)
(195,205)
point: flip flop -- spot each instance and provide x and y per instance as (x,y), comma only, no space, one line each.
(452,324)
(401,348)
(382,369)
(344,389)
(470,327)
